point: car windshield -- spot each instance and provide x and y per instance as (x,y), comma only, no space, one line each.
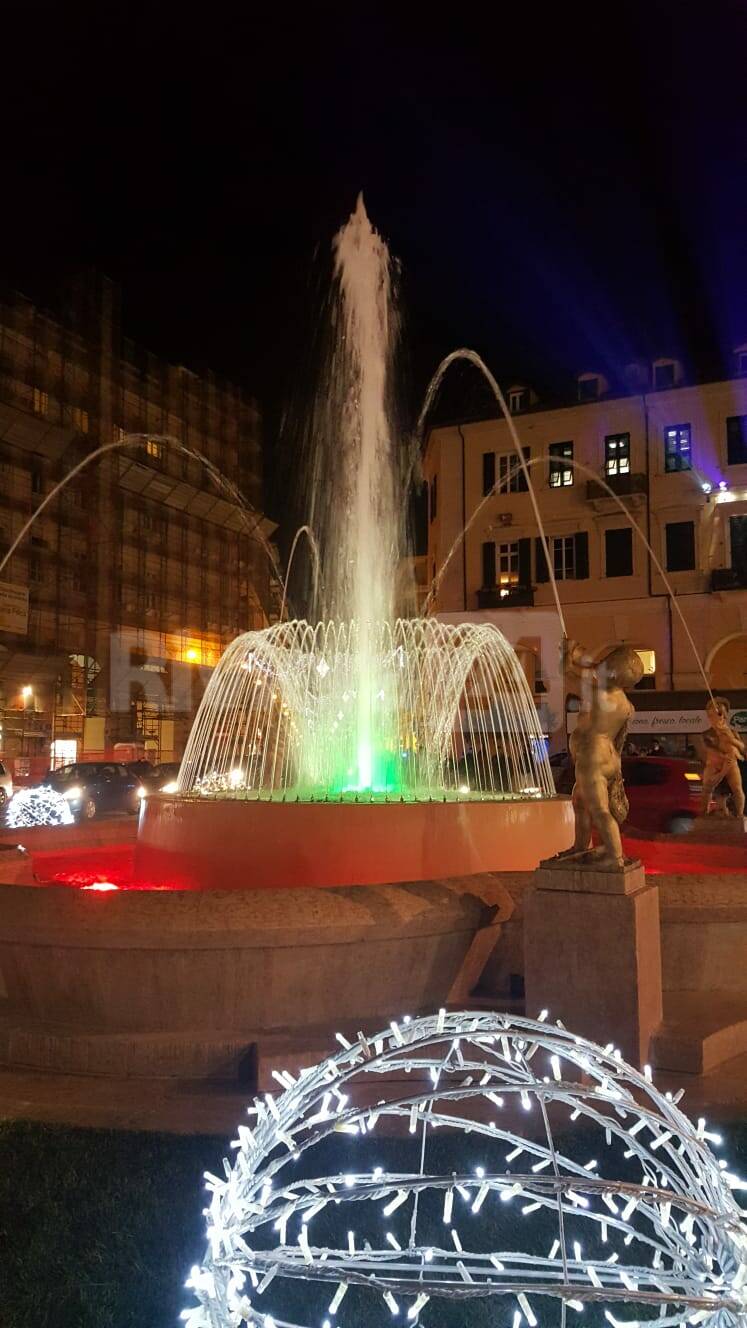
(66,773)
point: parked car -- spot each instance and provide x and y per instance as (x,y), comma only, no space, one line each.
(6,786)
(159,779)
(92,787)
(664,792)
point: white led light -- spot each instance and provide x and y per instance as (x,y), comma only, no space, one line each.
(668,1214)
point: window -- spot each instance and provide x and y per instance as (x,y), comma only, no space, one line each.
(563,550)
(37,481)
(79,419)
(639,773)
(677,449)
(517,400)
(742,362)
(433,499)
(508,565)
(36,572)
(588,389)
(154,449)
(118,433)
(618,549)
(617,454)
(41,401)
(488,564)
(680,544)
(664,375)
(570,557)
(488,472)
(736,440)
(561,474)
(511,477)
(738,540)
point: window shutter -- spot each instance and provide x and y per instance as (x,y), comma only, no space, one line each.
(540,562)
(488,564)
(525,562)
(582,555)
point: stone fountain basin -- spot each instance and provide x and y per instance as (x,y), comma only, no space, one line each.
(218,844)
(185,983)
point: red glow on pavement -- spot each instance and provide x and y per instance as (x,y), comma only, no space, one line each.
(103,870)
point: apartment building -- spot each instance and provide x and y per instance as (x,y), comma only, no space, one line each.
(666,454)
(136,576)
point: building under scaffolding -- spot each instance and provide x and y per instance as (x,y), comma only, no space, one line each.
(132,581)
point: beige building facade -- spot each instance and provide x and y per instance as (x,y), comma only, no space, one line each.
(674,456)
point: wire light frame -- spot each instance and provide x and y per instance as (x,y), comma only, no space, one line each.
(37,806)
(646,1228)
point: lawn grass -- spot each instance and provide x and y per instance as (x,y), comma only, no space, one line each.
(98,1228)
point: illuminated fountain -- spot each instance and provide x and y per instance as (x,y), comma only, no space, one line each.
(354,750)
(358,708)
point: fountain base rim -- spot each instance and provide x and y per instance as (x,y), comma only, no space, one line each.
(189,843)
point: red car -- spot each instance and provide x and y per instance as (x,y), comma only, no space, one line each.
(664,792)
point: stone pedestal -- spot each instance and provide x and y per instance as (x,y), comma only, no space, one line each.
(720,829)
(592,952)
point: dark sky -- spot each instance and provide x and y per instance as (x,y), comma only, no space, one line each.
(565,185)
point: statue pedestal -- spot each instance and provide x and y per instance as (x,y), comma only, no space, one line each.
(722,829)
(592,953)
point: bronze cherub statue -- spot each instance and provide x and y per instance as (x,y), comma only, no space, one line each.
(599,800)
(723,750)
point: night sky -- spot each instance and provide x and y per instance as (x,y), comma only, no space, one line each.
(565,186)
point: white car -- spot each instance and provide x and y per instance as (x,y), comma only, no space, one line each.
(6,786)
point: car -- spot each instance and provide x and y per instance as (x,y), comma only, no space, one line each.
(159,779)
(664,792)
(92,787)
(6,786)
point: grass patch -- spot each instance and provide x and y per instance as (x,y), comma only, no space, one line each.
(98,1229)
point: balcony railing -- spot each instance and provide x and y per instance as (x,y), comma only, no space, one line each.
(624,486)
(505,597)
(729,578)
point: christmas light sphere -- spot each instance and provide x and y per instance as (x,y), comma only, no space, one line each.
(38,806)
(472,1168)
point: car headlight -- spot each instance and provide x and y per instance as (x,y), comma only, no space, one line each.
(142,791)
(73,794)
(171,787)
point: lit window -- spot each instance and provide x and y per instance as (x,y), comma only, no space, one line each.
(79,419)
(561,474)
(41,401)
(118,433)
(511,477)
(617,454)
(508,566)
(154,449)
(517,400)
(648,660)
(677,447)
(563,549)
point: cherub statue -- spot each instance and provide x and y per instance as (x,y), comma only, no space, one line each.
(599,800)
(723,750)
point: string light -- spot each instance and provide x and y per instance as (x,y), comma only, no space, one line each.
(38,806)
(657,1236)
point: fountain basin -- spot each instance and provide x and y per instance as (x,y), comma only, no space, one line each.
(152,983)
(223,844)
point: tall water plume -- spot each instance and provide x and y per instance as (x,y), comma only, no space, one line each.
(353,467)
